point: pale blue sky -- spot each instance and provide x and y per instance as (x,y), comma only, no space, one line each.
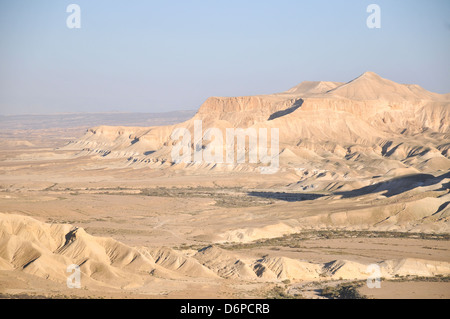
(155,56)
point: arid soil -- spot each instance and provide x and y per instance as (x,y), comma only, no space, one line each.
(364,180)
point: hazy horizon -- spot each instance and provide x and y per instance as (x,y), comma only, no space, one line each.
(238,152)
(94,112)
(155,57)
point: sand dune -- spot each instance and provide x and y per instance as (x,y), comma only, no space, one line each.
(225,264)
(179,263)
(283,268)
(45,251)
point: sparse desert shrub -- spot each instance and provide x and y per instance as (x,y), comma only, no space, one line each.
(279,292)
(343,291)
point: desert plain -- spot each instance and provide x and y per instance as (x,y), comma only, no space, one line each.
(363,179)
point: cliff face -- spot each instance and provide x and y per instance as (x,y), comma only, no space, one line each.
(369,120)
(367,97)
(245,111)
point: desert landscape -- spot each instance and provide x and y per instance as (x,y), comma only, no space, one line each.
(363,179)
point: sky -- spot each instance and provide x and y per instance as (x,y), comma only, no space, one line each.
(158,56)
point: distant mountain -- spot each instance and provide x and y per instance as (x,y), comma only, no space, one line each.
(371,86)
(367,126)
(313,87)
(69,120)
